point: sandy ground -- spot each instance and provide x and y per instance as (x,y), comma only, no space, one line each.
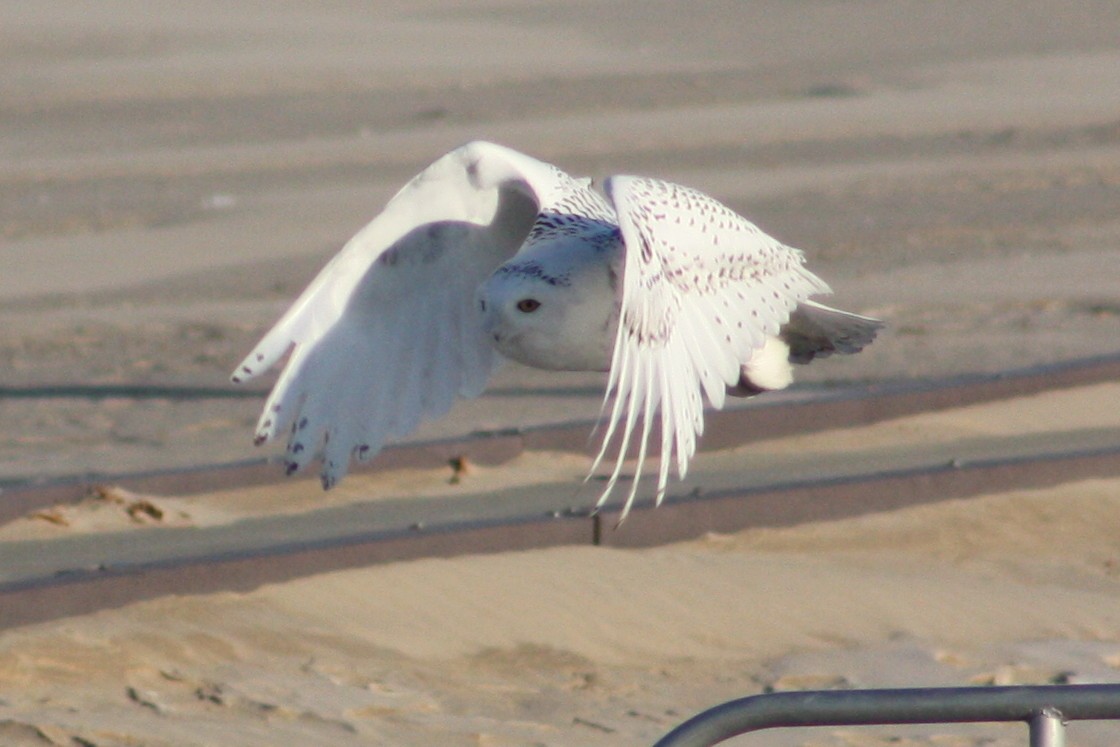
(171,175)
(592,645)
(598,646)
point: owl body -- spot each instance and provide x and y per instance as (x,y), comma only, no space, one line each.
(490,253)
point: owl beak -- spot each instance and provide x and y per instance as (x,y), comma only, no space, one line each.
(488,329)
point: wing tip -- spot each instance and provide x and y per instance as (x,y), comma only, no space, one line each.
(253,365)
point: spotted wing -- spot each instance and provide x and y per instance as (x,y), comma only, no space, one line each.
(702,290)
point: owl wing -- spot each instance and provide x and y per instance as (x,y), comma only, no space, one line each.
(387,333)
(702,290)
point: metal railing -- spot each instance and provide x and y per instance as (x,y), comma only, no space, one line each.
(1045,710)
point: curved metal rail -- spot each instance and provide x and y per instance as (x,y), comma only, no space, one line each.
(1045,709)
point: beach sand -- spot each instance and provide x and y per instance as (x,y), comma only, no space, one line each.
(172,175)
(584,645)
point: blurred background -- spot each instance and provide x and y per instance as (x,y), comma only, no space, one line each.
(172,175)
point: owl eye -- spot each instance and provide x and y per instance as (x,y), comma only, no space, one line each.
(528,305)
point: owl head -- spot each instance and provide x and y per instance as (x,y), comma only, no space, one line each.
(552,308)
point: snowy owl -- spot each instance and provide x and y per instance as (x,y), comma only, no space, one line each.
(490,253)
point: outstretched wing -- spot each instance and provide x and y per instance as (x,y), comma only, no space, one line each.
(702,290)
(387,333)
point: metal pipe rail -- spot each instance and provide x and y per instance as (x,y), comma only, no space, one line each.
(1044,709)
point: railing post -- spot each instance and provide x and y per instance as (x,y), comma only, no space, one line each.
(1047,729)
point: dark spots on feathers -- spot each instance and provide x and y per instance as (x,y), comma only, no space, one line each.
(534,269)
(578,218)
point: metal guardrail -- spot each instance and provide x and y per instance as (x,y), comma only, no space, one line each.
(1045,709)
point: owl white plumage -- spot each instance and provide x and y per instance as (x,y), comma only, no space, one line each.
(491,253)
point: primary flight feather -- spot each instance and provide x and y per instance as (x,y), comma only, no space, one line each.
(489,253)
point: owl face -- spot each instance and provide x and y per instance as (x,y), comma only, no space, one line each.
(521,314)
(555,314)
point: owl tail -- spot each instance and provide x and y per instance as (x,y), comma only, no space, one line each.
(816,331)
(813,331)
